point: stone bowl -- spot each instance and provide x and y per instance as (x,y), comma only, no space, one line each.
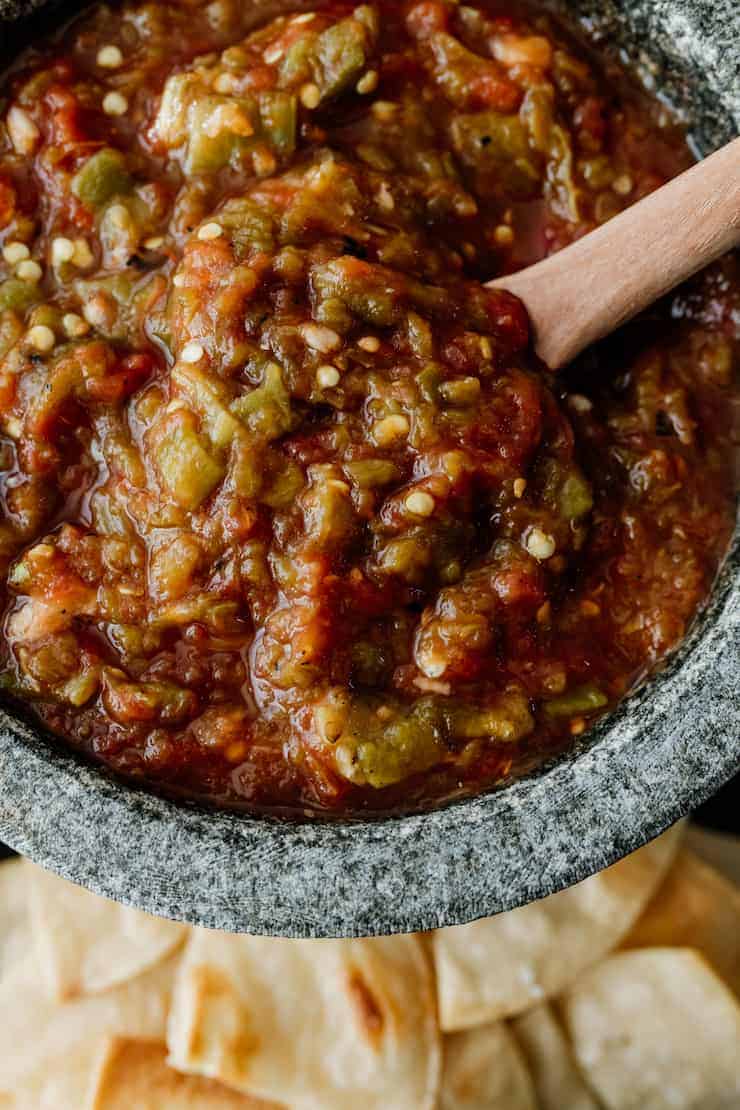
(668,746)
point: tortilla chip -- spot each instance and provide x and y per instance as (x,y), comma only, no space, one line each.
(656,1028)
(59,1083)
(13,914)
(40,1029)
(313,1023)
(500,966)
(557,1081)
(694,908)
(718,850)
(483,1069)
(86,943)
(133,1075)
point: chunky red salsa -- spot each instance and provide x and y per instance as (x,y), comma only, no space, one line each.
(290,515)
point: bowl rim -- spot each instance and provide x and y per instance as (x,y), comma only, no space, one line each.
(665,749)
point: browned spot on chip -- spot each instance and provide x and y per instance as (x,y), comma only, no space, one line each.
(217,1005)
(367,1008)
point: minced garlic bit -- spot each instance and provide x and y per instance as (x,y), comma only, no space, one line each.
(368,82)
(109,57)
(264,162)
(62,250)
(225,83)
(119,216)
(97,311)
(384,198)
(520,484)
(540,544)
(28,270)
(310,95)
(41,337)
(369,343)
(83,256)
(327,377)
(15,252)
(74,326)
(23,132)
(115,104)
(320,338)
(503,235)
(192,352)
(420,503)
(210,231)
(390,428)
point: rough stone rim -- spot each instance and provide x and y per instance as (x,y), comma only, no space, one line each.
(662,752)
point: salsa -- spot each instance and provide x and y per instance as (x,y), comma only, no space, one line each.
(291,515)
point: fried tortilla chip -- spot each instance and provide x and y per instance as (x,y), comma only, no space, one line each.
(60,1083)
(40,1030)
(557,1081)
(134,1075)
(694,908)
(13,914)
(500,966)
(483,1069)
(656,1028)
(320,1024)
(86,943)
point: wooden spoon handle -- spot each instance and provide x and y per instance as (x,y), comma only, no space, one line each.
(591,287)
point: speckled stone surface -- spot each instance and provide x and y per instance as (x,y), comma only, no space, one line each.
(665,750)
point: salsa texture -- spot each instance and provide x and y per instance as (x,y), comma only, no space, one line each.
(291,515)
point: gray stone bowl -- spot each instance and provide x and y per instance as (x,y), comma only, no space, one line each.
(664,751)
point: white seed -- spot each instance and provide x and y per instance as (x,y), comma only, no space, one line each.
(210,231)
(41,337)
(192,352)
(83,256)
(486,348)
(28,270)
(310,95)
(273,54)
(96,311)
(115,104)
(539,544)
(420,503)
(305,17)
(179,281)
(390,428)
(24,134)
(320,338)
(327,377)
(264,162)
(74,326)
(520,484)
(623,185)
(225,83)
(62,250)
(109,57)
(579,403)
(385,199)
(15,252)
(369,343)
(154,242)
(368,82)
(119,216)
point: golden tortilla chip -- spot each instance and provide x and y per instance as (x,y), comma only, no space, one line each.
(656,1028)
(557,1081)
(40,1029)
(694,908)
(13,914)
(133,1075)
(321,1024)
(86,943)
(59,1083)
(483,1069)
(500,966)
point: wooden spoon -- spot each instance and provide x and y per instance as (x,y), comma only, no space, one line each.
(588,289)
